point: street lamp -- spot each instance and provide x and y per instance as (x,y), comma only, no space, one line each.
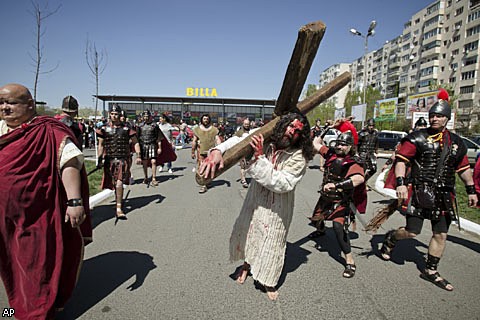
(370,32)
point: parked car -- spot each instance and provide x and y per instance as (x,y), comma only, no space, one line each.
(331,135)
(387,140)
(189,132)
(473,150)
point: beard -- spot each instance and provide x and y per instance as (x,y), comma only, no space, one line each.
(284,142)
(340,152)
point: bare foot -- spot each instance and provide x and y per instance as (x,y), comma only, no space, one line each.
(242,276)
(272,293)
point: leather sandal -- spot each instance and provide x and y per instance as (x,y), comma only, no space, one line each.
(388,245)
(120,215)
(349,271)
(436,279)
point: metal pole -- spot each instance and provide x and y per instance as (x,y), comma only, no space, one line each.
(365,80)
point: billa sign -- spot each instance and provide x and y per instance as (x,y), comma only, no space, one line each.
(201,92)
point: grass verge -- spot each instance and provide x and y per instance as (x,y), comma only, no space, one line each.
(94,179)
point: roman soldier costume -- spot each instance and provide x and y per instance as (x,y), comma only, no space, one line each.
(367,147)
(148,135)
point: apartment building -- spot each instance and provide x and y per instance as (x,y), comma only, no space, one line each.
(331,73)
(438,45)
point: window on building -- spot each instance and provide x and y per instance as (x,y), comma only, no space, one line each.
(468,75)
(474,3)
(433,8)
(459,11)
(471,60)
(465,104)
(431,45)
(424,83)
(452,80)
(467,89)
(456,38)
(473,30)
(473,16)
(458,25)
(455,52)
(432,33)
(470,46)
(454,66)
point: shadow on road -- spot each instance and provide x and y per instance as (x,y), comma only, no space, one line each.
(295,256)
(102,274)
(218,183)
(103,213)
(464,242)
(404,251)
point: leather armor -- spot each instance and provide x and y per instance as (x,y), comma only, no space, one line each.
(117,142)
(432,187)
(335,171)
(367,143)
(428,158)
(148,133)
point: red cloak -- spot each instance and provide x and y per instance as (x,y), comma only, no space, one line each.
(40,254)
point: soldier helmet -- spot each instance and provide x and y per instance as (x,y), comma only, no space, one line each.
(421,122)
(69,104)
(115,108)
(371,122)
(146,113)
(441,107)
(345,137)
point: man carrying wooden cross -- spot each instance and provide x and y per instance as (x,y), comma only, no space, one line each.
(260,233)
(281,149)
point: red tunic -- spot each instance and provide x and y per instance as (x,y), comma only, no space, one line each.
(40,254)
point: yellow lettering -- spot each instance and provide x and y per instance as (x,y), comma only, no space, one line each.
(202,92)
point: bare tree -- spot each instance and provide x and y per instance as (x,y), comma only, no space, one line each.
(97,62)
(40,15)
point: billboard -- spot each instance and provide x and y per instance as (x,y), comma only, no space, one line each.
(359,112)
(386,110)
(417,115)
(340,113)
(421,102)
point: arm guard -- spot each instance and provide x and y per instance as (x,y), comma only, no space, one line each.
(346,184)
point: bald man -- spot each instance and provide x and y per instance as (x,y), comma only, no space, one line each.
(43,202)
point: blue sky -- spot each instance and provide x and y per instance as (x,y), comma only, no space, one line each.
(160,48)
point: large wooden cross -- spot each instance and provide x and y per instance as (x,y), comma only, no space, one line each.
(306,47)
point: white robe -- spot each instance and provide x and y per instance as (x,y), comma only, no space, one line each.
(259,234)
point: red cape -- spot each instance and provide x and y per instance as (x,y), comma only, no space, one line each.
(476,179)
(40,254)
(168,153)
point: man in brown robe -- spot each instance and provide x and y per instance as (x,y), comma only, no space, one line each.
(205,137)
(44,210)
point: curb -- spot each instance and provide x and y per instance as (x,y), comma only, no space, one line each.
(465,224)
(99,197)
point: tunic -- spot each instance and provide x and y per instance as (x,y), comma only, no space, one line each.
(259,234)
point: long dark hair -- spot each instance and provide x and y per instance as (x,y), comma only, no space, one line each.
(304,142)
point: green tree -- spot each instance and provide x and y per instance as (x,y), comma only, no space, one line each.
(323,111)
(354,98)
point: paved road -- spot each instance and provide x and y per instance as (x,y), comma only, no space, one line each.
(170,261)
